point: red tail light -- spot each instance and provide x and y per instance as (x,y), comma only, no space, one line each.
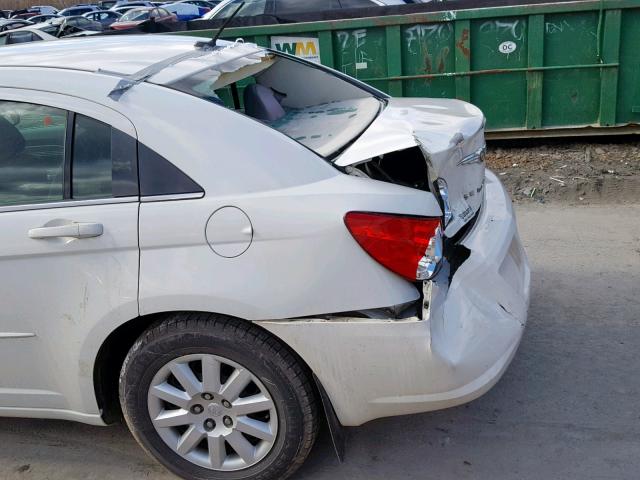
(408,246)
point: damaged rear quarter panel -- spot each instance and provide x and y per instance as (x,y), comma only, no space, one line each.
(447,131)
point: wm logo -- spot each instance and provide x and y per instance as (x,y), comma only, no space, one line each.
(299,49)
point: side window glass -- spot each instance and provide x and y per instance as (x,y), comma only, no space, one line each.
(91,166)
(103,161)
(250,8)
(32,154)
(21,37)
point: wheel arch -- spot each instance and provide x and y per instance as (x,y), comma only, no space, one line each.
(114,349)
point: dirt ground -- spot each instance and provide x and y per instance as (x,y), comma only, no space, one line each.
(603,172)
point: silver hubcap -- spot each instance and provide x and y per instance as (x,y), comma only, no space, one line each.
(213,412)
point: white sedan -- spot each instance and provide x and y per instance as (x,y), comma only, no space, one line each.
(25,35)
(224,244)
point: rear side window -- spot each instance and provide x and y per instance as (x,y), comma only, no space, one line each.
(92,173)
(32,155)
(103,162)
(49,155)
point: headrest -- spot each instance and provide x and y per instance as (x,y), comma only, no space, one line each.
(262,103)
(11,140)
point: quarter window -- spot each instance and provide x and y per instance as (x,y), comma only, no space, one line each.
(103,161)
(92,167)
(32,153)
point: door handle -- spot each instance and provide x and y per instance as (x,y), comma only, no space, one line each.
(72,230)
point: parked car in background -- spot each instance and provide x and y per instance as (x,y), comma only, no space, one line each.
(202,3)
(78,10)
(24,35)
(104,17)
(136,17)
(63,26)
(44,9)
(23,14)
(122,10)
(328,246)
(43,18)
(125,3)
(277,8)
(185,11)
(106,4)
(12,24)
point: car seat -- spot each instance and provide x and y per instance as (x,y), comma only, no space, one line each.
(262,103)
(13,143)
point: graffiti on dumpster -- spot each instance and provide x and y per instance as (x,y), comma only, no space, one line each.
(429,46)
(360,59)
(515,28)
(419,34)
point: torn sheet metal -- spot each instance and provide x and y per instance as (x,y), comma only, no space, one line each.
(449,132)
(373,368)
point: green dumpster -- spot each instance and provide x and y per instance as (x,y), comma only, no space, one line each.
(556,69)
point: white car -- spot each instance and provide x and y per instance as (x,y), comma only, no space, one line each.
(227,242)
(45,9)
(24,35)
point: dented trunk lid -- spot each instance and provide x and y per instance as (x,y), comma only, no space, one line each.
(450,133)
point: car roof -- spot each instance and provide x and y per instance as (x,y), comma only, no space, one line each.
(122,55)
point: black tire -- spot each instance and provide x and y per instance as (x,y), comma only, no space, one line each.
(288,382)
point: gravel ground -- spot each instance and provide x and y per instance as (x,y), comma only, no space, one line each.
(566,409)
(573,172)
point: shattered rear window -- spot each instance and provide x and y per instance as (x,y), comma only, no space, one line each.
(320,110)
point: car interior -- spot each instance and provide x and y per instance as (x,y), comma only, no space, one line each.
(32,157)
(309,105)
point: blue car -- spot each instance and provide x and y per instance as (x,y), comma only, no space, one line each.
(186,11)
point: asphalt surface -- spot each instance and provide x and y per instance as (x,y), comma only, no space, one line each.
(567,408)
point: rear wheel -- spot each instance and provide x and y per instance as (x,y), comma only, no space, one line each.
(217,398)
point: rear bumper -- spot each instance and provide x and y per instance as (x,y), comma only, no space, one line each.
(378,368)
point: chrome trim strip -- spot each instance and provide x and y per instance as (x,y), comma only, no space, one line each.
(68,203)
(177,196)
(16,335)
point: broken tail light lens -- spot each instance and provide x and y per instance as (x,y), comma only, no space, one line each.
(406,245)
(443,190)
